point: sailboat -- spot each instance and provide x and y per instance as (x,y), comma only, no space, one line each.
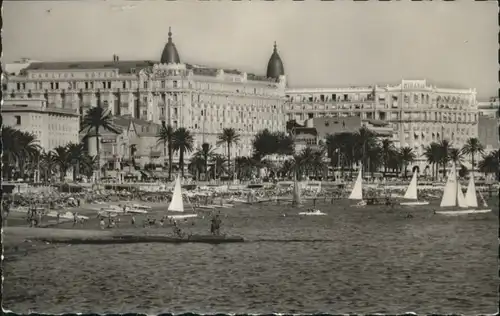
(453,196)
(357,189)
(412,193)
(177,204)
(297,201)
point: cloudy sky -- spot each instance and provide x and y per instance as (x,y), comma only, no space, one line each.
(322,44)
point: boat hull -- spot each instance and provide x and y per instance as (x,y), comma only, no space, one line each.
(312,214)
(414,203)
(182,216)
(463,212)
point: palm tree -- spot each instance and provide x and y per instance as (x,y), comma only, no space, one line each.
(407,156)
(76,152)
(243,167)
(182,141)
(364,138)
(95,119)
(472,147)
(229,136)
(387,151)
(489,163)
(61,156)
(456,156)
(204,154)
(219,165)
(28,145)
(444,153)
(165,135)
(196,166)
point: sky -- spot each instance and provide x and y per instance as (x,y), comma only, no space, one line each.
(322,44)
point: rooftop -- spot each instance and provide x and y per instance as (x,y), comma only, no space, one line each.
(131,67)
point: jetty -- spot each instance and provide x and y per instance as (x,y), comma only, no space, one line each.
(95,237)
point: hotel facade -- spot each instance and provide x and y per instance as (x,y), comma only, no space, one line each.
(417,112)
(202,99)
(205,100)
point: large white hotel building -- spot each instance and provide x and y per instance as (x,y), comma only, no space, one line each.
(418,113)
(205,100)
(202,99)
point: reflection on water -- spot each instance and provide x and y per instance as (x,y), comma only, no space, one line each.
(365,260)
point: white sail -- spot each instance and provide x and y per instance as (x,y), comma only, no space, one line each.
(460,196)
(176,205)
(357,190)
(411,192)
(470,195)
(450,190)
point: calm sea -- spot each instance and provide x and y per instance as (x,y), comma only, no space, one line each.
(358,260)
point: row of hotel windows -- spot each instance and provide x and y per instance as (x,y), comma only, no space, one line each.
(432,116)
(417,98)
(129,84)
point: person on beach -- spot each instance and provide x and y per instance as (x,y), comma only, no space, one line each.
(58,218)
(132,221)
(75,219)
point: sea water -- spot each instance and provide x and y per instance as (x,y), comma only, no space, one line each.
(360,260)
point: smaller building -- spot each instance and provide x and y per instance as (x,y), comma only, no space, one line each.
(488,132)
(136,143)
(53,127)
(489,108)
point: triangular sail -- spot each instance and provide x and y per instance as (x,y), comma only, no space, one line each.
(450,190)
(357,190)
(411,192)
(460,196)
(177,205)
(470,195)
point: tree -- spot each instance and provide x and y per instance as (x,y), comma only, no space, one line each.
(76,152)
(61,156)
(19,148)
(94,120)
(444,154)
(364,138)
(407,156)
(387,151)
(182,141)
(263,144)
(433,154)
(204,155)
(489,163)
(472,147)
(229,136)
(165,135)
(455,156)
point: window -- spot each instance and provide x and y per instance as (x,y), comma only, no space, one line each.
(57,85)
(175,83)
(18,119)
(52,85)
(86,85)
(145,84)
(18,86)
(124,84)
(163,84)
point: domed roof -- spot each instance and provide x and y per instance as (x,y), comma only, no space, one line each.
(170,54)
(275,67)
